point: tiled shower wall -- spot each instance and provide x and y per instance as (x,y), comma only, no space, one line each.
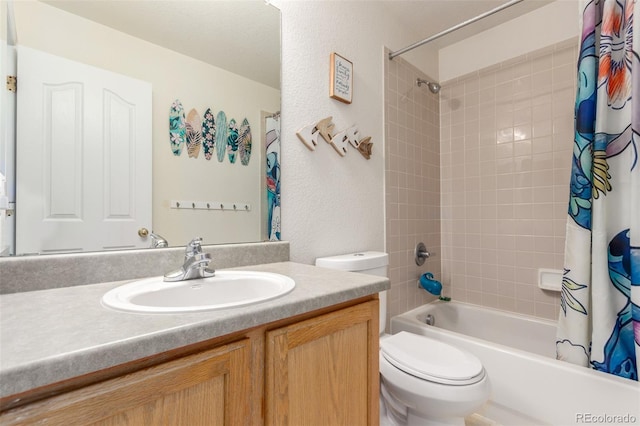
(506,135)
(412,182)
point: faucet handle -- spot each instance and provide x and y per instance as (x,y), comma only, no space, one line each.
(194,247)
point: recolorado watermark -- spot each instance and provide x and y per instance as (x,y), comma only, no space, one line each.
(591,418)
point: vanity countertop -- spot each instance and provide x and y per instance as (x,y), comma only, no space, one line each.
(47,336)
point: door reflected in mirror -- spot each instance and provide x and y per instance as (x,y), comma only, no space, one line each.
(216,57)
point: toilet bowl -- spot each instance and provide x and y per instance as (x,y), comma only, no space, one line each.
(422,381)
(427,382)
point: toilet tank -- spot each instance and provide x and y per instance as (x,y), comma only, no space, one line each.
(366,262)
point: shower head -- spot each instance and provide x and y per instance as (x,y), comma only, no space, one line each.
(433,87)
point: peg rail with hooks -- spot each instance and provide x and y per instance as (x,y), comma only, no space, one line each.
(210,205)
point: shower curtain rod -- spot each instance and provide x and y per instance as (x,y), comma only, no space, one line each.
(452,29)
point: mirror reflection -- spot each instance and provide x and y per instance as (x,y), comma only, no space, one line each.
(98,140)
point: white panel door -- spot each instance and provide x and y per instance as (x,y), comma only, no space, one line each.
(83,157)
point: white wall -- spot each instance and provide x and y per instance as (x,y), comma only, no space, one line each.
(173,76)
(543,27)
(331,204)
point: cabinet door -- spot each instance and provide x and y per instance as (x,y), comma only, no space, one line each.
(324,371)
(209,388)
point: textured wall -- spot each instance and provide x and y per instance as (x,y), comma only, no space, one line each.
(333,205)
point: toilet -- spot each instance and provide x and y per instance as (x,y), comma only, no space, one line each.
(422,381)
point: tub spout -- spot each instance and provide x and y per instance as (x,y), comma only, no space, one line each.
(428,283)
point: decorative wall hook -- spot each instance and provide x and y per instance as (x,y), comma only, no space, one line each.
(352,136)
(308,135)
(364,147)
(339,142)
(325,127)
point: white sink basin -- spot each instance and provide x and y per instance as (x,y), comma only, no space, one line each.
(227,289)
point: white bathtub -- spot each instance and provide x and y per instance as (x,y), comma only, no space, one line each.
(529,386)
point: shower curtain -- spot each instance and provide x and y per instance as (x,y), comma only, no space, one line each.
(272,129)
(599,324)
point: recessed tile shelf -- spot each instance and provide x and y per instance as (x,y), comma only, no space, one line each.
(550,279)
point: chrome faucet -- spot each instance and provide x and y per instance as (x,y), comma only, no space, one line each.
(195,264)
(157,241)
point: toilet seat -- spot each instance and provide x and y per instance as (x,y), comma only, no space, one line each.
(431,360)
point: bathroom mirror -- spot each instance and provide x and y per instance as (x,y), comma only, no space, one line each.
(218,55)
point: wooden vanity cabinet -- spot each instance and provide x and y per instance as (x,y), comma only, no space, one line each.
(324,371)
(200,389)
(314,369)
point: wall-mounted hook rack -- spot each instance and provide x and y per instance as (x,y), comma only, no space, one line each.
(209,205)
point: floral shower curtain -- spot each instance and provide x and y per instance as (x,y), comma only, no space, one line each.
(272,129)
(599,323)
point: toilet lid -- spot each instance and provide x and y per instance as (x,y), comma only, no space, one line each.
(431,360)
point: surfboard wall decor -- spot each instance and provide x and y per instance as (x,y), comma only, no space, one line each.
(194,133)
(208,134)
(177,127)
(232,140)
(221,135)
(244,142)
(217,136)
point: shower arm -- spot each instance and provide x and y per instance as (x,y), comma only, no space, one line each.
(452,29)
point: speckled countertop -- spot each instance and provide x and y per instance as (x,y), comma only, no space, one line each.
(51,335)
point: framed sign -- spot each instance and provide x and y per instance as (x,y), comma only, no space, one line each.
(341,87)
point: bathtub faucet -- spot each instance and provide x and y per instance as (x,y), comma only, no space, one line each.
(195,264)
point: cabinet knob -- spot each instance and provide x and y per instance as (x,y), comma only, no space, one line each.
(143,232)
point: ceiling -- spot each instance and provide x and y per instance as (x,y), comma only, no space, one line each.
(218,31)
